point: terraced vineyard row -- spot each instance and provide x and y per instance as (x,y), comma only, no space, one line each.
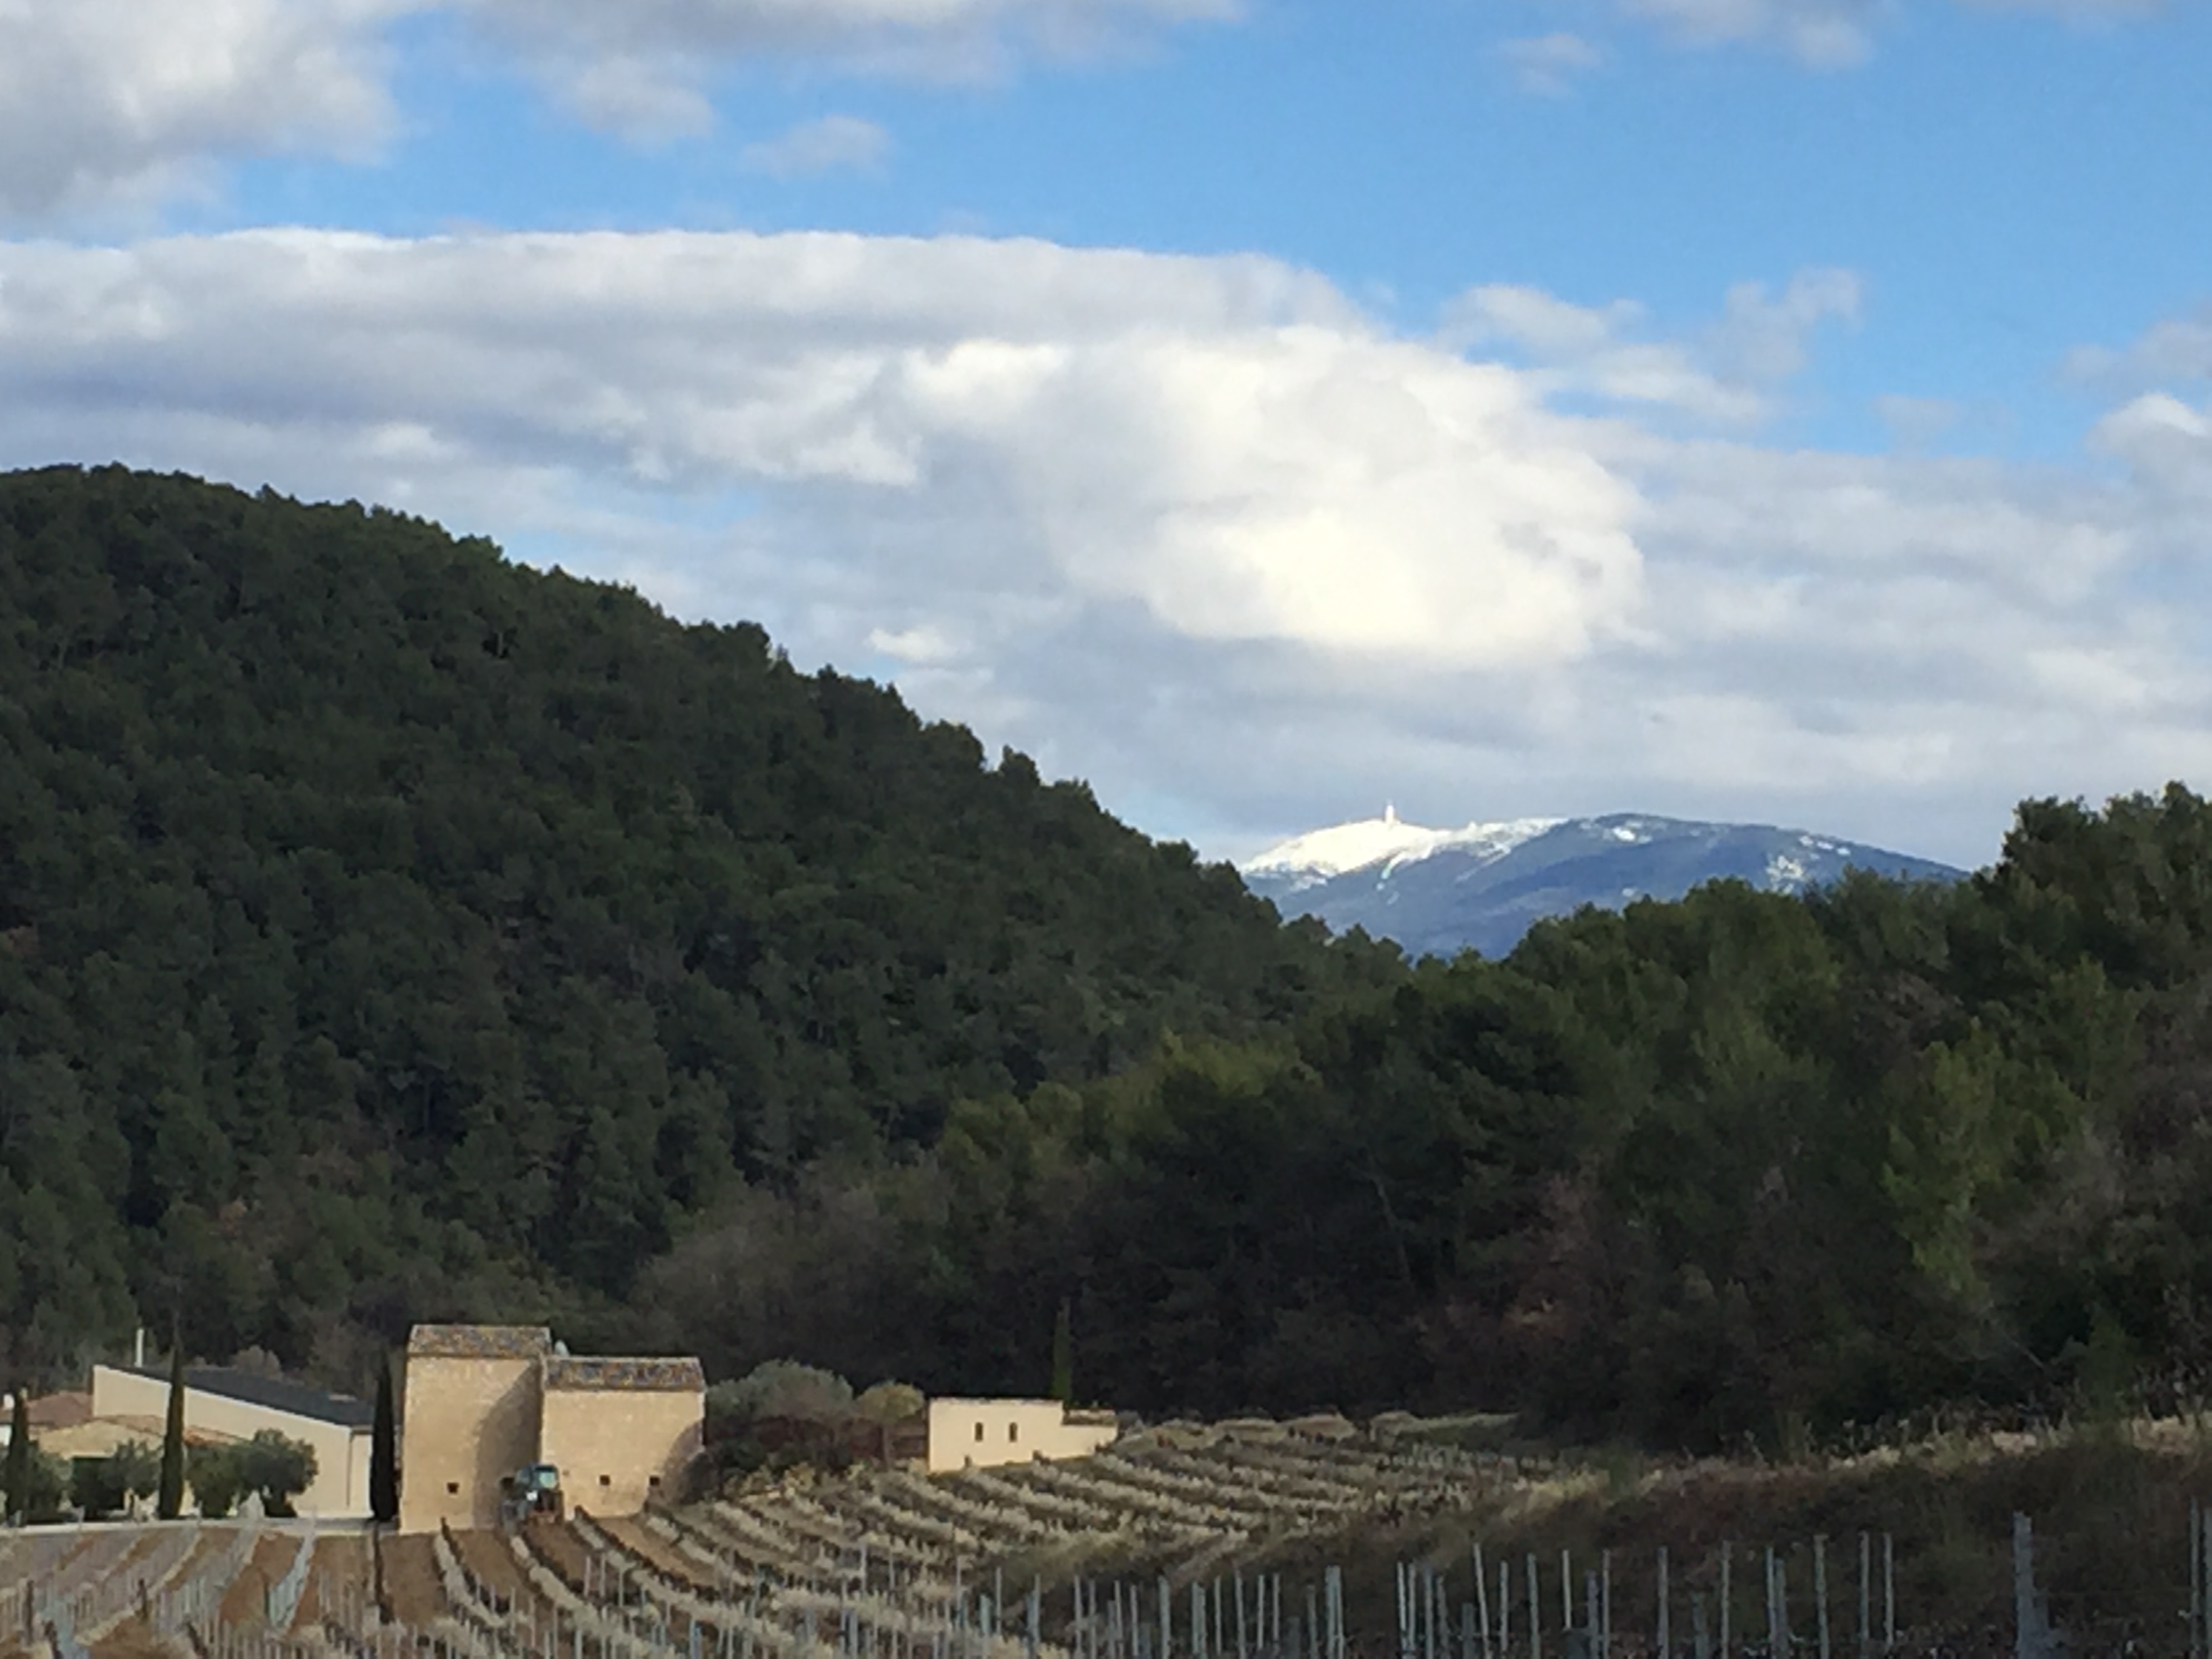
(1125,1555)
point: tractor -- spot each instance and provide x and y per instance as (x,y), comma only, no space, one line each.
(530,1494)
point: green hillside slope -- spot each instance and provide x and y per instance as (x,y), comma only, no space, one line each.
(388,931)
(382,924)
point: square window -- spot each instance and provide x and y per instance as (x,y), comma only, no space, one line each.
(452,1489)
(652,1480)
(607,1481)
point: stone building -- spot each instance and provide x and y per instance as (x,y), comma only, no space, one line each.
(485,1401)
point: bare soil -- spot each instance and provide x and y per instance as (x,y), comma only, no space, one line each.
(245,1604)
(135,1640)
(559,1548)
(659,1553)
(486,1554)
(411,1589)
(337,1582)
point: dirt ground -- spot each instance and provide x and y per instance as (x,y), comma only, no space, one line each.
(338,1582)
(411,1589)
(245,1604)
(664,1556)
(486,1554)
(559,1548)
(133,1639)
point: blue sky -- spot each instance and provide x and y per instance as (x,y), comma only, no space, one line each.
(1785,410)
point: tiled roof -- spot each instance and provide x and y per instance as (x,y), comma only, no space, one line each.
(479,1341)
(60,1411)
(641,1376)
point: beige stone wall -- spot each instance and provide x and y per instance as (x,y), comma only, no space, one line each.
(983,1433)
(340,1490)
(469,1423)
(618,1448)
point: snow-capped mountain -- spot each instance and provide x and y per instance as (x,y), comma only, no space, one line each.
(1438,891)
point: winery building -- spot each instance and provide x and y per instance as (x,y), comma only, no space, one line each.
(222,1406)
(483,1401)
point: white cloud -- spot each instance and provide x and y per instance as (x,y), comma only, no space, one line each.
(1837,33)
(2167,442)
(1825,34)
(665,54)
(2171,352)
(1223,445)
(1726,375)
(1762,340)
(1550,64)
(1916,423)
(1196,529)
(117,104)
(830,144)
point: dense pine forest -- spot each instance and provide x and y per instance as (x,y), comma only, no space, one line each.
(390,932)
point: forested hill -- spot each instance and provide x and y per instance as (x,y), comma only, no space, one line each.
(388,931)
(385,928)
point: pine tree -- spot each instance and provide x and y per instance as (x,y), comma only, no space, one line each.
(18,1476)
(170,1501)
(383,1452)
(1063,1357)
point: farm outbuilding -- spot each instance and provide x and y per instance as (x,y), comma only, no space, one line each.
(983,1434)
(485,1401)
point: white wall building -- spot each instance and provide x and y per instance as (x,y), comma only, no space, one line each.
(981,1434)
(232,1404)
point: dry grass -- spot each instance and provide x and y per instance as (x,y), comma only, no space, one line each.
(2109,1509)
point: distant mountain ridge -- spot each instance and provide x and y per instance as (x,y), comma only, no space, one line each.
(1441,891)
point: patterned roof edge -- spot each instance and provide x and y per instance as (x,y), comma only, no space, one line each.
(479,1341)
(637,1376)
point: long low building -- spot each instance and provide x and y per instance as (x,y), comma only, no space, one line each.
(223,1404)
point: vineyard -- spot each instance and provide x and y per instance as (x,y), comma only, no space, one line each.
(1000,1563)
(1241,1542)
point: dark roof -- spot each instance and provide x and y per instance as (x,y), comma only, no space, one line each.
(479,1341)
(638,1375)
(274,1394)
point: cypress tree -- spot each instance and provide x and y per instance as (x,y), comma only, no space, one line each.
(170,1503)
(1063,1357)
(18,1476)
(383,1452)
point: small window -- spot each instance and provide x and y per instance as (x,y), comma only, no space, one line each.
(1014,1432)
(452,1489)
(979,1430)
(652,1480)
(607,1481)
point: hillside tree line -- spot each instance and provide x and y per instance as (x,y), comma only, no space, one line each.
(388,931)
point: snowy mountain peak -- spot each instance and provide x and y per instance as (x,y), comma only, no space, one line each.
(1437,891)
(1323,855)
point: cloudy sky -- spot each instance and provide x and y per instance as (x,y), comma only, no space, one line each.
(1789,410)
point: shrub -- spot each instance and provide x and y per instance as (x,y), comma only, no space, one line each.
(785,1389)
(95,1487)
(216,1480)
(280,1469)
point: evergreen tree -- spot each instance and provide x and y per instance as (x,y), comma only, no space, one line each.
(18,1475)
(383,1452)
(169,1503)
(1063,1357)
